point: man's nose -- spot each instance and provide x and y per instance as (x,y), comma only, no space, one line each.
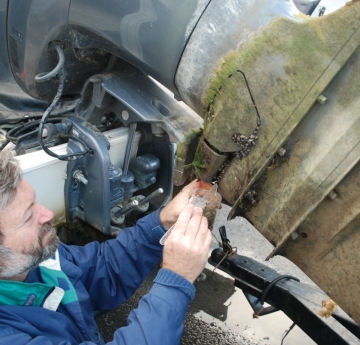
(45,215)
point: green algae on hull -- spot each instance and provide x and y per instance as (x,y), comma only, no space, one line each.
(280,69)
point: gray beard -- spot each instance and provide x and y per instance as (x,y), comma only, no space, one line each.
(13,264)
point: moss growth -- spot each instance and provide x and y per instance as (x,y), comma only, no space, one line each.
(282,62)
(196,165)
(307,37)
(183,146)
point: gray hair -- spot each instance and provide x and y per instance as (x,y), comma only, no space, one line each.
(10,177)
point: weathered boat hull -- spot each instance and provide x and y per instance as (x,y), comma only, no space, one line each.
(282,123)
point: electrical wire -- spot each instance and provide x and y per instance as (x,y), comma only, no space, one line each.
(3,145)
(5,141)
(11,123)
(42,77)
(272,283)
(287,332)
(61,73)
(14,133)
(266,291)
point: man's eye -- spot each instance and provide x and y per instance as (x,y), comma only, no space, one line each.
(28,219)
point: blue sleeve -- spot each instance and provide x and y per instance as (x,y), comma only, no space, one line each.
(159,318)
(113,270)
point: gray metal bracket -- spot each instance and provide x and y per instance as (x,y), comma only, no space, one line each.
(135,97)
(90,202)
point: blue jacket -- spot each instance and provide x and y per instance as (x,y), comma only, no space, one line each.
(103,276)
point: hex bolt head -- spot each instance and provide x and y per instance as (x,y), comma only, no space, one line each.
(321,99)
(332,195)
(294,235)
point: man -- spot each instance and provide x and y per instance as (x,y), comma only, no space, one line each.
(49,291)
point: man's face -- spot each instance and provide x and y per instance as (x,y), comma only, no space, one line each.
(27,235)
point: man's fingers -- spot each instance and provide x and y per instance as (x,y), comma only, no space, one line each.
(194,225)
(189,222)
(203,230)
(183,220)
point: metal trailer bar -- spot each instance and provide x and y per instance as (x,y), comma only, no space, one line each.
(299,301)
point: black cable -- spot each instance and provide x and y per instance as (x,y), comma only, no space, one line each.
(14,121)
(4,144)
(287,332)
(20,119)
(47,112)
(14,133)
(272,283)
(41,77)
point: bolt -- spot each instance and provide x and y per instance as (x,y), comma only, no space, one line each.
(294,235)
(332,195)
(78,176)
(321,99)
(152,180)
(281,152)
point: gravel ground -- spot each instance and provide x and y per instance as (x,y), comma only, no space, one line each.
(196,331)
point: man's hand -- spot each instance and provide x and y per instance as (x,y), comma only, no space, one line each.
(170,213)
(187,247)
